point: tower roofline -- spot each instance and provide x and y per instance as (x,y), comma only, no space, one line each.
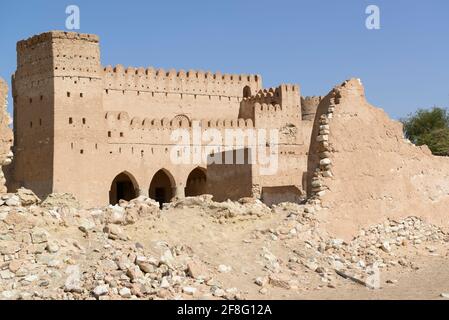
(57,34)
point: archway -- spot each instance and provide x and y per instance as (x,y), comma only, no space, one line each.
(246,92)
(123,187)
(162,187)
(196,183)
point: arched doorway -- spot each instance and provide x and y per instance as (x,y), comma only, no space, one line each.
(123,187)
(196,183)
(161,187)
(246,92)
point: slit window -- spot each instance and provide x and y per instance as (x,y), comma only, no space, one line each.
(84,120)
(109,134)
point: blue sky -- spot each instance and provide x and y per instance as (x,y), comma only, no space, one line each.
(317,44)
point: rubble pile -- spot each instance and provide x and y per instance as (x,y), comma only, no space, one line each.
(38,260)
(53,249)
(379,247)
(228,211)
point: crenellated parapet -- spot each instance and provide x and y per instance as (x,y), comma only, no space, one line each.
(173,81)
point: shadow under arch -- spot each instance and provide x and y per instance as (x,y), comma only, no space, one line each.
(196,183)
(123,187)
(162,187)
(246,92)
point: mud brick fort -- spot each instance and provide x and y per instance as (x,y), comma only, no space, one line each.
(103,133)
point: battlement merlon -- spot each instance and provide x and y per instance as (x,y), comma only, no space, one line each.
(73,54)
(284,95)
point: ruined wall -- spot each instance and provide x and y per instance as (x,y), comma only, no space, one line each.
(5,134)
(363,170)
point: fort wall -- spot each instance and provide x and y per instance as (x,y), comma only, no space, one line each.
(79,125)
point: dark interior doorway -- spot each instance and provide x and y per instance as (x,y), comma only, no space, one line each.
(122,188)
(196,183)
(161,187)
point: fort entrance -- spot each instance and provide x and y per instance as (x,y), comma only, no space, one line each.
(162,187)
(196,183)
(123,188)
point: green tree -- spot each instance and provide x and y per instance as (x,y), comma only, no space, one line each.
(430,127)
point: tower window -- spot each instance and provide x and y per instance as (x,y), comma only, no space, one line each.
(81,95)
(68,94)
(109,134)
(42,98)
(121,134)
(81,151)
(31,100)
(84,120)
(70,120)
(40,122)
(31,124)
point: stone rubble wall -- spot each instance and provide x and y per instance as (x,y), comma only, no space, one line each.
(5,134)
(362,169)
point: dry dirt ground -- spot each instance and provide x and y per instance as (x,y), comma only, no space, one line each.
(233,244)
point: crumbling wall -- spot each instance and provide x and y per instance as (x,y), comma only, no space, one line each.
(362,169)
(5,134)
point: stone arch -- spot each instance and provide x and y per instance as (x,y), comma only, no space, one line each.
(196,182)
(162,187)
(123,187)
(246,92)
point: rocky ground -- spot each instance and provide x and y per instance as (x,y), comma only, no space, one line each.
(200,249)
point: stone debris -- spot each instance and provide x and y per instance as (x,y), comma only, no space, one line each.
(99,260)
(228,211)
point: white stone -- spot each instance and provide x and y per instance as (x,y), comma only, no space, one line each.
(73,280)
(125,293)
(101,290)
(164,283)
(224,268)
(13,201)
(189,290)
